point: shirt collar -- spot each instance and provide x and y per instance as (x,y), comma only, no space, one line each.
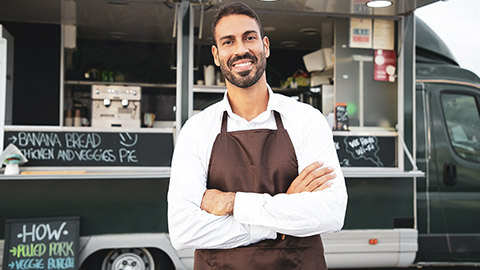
(273,105)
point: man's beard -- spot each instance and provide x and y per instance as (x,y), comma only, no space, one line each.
(246,78)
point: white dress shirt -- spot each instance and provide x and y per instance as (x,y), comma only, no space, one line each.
(255,216)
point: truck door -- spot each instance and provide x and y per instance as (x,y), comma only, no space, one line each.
(455,125)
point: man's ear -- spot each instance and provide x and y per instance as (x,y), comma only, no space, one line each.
(215,55)
(266,46)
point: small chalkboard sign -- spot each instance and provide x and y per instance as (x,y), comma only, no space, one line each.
(41,243)
(341,116)
(366,151)
(46,148)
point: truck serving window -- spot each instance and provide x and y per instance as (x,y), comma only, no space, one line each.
(463,123)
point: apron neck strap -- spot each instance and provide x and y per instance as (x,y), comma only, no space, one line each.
(278,120)
(224,122)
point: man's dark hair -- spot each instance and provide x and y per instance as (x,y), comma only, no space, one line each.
(234,8)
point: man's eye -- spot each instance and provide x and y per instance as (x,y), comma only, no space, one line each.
(251,38)
(227,42)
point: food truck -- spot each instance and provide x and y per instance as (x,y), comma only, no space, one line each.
(95,92)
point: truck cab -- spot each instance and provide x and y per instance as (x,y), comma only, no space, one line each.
(448,151)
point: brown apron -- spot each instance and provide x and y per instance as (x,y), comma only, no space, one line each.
(261,161)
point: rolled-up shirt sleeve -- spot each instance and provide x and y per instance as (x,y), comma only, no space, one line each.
(189,226)
(306,213)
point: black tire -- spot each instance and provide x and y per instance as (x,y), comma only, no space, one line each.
(162,260)
(131,258)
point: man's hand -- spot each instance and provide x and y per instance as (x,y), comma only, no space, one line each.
(312,179)
(218,202)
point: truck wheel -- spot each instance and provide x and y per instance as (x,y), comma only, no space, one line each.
(128,259)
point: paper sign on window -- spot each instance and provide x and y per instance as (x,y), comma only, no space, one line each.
(360,33)
(383,34)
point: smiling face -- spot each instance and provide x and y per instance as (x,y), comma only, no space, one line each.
(240,52)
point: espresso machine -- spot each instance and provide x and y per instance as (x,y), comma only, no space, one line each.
(116,106)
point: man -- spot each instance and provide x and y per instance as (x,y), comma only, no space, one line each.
(236,194)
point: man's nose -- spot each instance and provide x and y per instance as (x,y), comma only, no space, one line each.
(241,48)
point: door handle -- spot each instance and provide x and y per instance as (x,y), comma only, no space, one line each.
(449,174)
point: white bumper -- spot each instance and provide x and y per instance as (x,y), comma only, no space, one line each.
(356,248)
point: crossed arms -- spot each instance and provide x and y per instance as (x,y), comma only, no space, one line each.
(313,178)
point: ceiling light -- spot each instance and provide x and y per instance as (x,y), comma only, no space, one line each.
(379,3)
(310,31)
(289,43)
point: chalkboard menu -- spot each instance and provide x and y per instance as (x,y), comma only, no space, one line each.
(50,243)
(93,148)
(366,151)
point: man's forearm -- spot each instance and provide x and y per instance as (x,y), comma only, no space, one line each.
(299,214)
(191,228)
(218,202)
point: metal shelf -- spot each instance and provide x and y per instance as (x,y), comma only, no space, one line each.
(220,89)
(160,85)
(196,88)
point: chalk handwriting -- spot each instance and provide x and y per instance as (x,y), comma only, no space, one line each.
(39,153)
(363,148)
(82,140)
(38,232)
(27,264)
(128,155)
(337,145)
(128,140)
(74,146)
(105,155)
(38,139)
(61,263)
(28,250)
(60,249)
(341,113)
(345,162)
